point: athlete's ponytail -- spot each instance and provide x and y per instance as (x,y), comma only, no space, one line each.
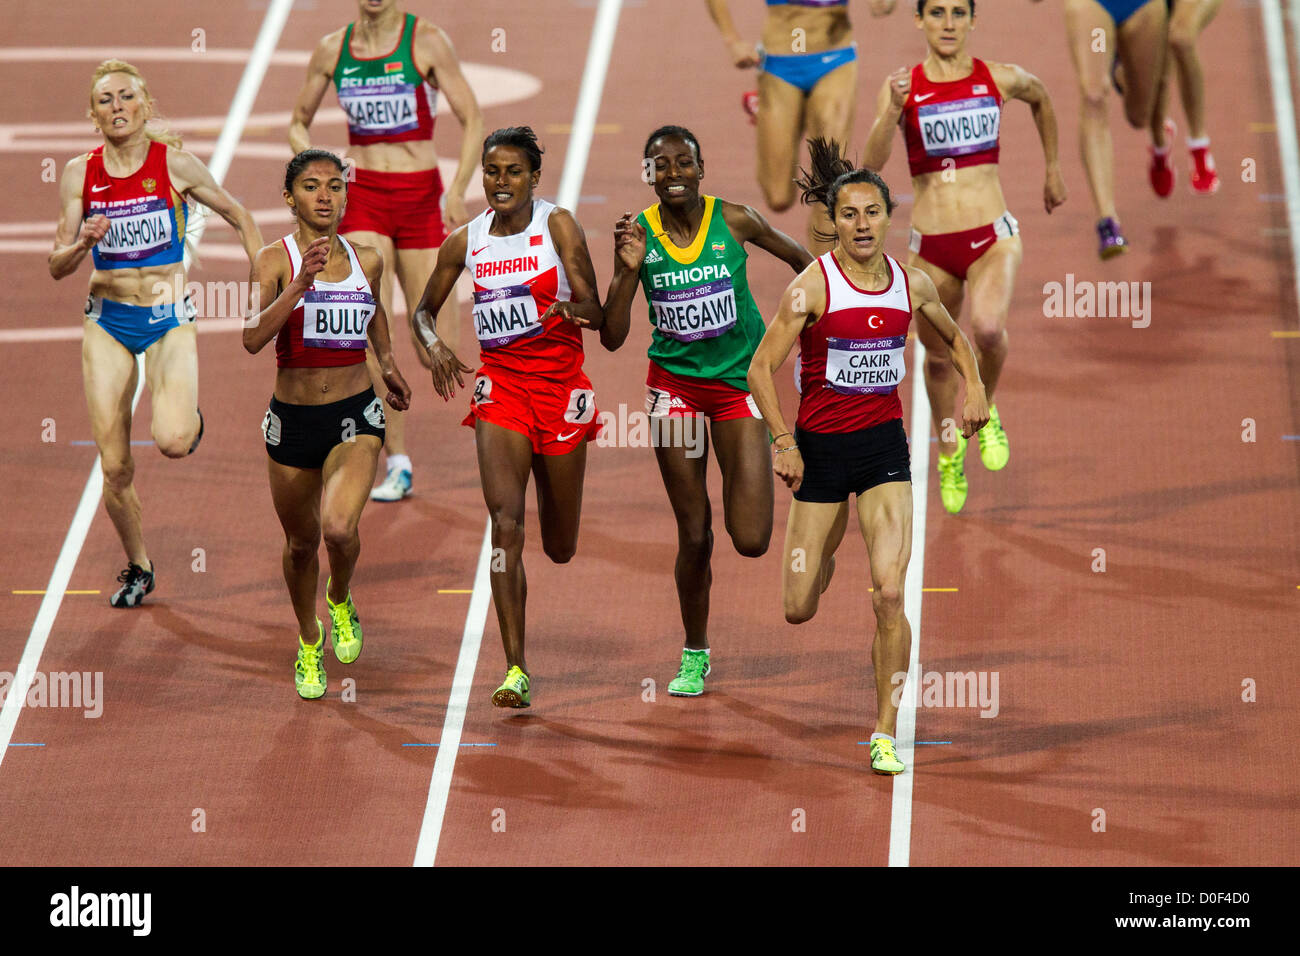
(831,171)
(159,133)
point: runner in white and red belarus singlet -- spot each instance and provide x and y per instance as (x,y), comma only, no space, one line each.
(533,409)
(850,314)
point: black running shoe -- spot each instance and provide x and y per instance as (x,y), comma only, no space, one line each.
(136,583)
(197,438)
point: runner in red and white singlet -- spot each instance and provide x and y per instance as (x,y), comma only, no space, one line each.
(850,313)
(949,108)
(533,408)
(314,294)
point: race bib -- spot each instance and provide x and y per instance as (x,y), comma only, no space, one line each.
(959,127)
(865,366)
(687,315)
(380,108)
(336,319)
(582,406)
(503,315)
(136,229)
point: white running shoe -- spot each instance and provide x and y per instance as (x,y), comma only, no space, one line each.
(394,488)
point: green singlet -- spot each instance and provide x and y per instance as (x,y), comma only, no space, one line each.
(706,324)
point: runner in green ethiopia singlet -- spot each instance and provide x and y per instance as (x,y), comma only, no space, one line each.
(386,98)
(705,321)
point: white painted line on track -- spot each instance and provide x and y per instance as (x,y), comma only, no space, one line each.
(91,494)
(1279,71)
(575,164)
(900,813)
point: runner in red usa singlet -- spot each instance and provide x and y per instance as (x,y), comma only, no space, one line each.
(850,313)
(533,408)
(949,108)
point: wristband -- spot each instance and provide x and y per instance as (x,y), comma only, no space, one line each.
(782,451)
(772,440)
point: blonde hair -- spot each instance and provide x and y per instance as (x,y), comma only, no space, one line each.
(158,133)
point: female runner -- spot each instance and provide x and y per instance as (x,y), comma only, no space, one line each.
(533,408)
(125,203)
(388,68)
(807,85)
(1132,36)
(850,313)
(688,253)
(1187,20)
(963,237)
(325,426)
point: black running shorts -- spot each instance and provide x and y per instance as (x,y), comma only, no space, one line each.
(836,465)
(302,436)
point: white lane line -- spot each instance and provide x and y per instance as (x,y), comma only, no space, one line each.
(584,124)
(90,495)
(1279,71)
(461,684)
(900,813)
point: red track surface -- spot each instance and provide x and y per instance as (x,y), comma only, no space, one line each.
(1119,691)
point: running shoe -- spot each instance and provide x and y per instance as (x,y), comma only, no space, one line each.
(994,450)
(199,437)
(952,478)
(309,671)
(689,681)
(1112,239)
(514,690)
(1160,171)
(749,103)
(1205,176)
(396,486)
(345,628)
(136,583)
(883,758)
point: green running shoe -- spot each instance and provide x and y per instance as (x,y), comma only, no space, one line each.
(689,681)
(309,672)
(883,758)
(345,628)
(514,691)
(994,451)
(952,478)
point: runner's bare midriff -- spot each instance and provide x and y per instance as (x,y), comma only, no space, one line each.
(409,157)
(972,198)
(822,30)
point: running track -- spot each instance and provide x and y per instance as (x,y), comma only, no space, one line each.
(1119,691)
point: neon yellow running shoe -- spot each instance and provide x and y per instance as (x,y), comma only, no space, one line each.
(952,478)
(345,628)
(309,672)
(994,450)
(514,691)
(883,758)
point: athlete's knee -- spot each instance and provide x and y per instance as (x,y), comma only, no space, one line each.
(1093,99)
(938,368)
(339,533)
(173,444)
(301,550)
(118,472)
(560,551)
(695,540)
(1182,40)
(887,601)
(800,612)
(750,542)
(989,333)
(779,195)
(507,529)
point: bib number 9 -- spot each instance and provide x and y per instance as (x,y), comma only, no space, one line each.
(582,406)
